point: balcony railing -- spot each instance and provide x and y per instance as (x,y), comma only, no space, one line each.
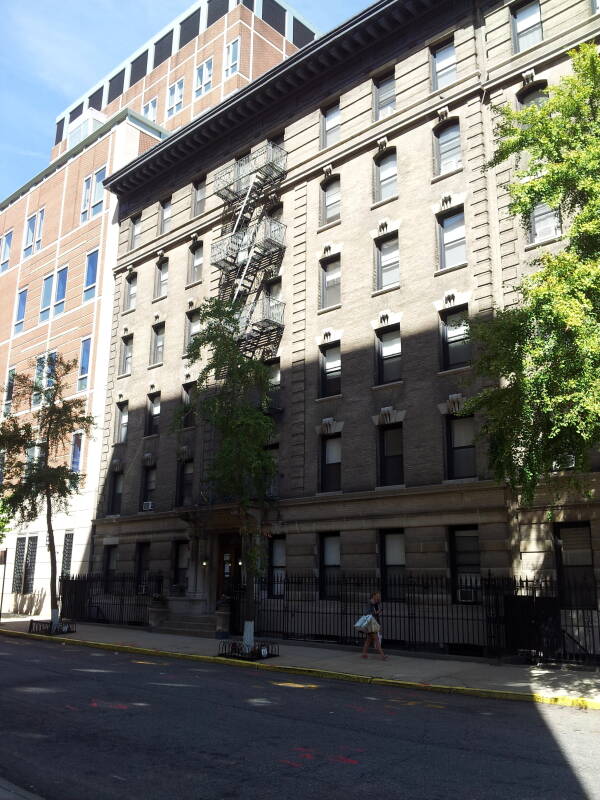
(267,313)
(267,236)
(267,165)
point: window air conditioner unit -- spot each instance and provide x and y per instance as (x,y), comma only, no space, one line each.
(467,595)
(148,506)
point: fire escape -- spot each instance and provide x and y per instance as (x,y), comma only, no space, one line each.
(251,247)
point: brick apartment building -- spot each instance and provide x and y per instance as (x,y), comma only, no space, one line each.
(366,148)
(59,238)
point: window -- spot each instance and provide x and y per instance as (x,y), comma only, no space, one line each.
(232,59)
(392,549)
(461,447)
(9,390)
(465,564)
(185,483)
(453,245)
(142,566)
(122,422)
(126,355)
(331,463)
(109,564)
(24,571)
(204,75)
(384,96)
(544,224)
(67,554)
(387,262)
(331,201)
(386,177)
(130,296)
(389,355)
(443,65)
(84,365)
(188,402)
(148,488)
(76,443)
(33,233)
(329,566)
(164,215)
(153,414)
(456,345)
(175,98)
(526,25)
(277,566)
(21,306)
(61,291)
(199,197)
(331,370)
(272,490)
(116,493)
(331,271)
(391,458)
(535,96)
(135,228)
(43,376)
(157,344)
(91,270)
(59,297)
(195,264)
(448,154)
(92,198)
(161,279)
(149,109)
(330,126)
(575,565)
(5,245)
(192,326)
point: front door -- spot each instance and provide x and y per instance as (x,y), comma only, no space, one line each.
(229,569)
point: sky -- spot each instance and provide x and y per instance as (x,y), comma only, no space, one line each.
(54,50)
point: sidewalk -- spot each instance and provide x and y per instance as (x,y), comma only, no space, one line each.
(562,686)
(9,791)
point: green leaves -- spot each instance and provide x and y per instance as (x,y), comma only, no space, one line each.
(541,361)
(235,398)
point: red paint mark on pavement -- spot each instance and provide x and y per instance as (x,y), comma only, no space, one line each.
(289,763)
(343,760)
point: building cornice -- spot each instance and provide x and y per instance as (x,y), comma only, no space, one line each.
(331,51)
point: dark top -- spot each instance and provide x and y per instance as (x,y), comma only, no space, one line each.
(375,611)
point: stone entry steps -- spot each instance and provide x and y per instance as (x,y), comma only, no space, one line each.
(189,625)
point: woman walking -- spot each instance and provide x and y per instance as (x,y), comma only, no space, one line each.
(374,638)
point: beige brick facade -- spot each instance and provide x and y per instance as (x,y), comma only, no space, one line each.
(429,505)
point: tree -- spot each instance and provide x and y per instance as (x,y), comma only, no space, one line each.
(540,361)
(4,520)
(38,478)
(234,391)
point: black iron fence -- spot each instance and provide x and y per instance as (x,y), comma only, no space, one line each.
(116,598)
(472,616)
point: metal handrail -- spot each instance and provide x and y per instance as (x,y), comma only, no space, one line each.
(266,235)
(270,160)
(267,311)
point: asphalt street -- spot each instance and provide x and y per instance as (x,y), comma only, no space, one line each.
(83,724)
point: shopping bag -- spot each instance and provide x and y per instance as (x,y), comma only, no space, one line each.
(361,624)
(372,625)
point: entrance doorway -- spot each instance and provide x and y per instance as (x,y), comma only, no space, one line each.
(229,570)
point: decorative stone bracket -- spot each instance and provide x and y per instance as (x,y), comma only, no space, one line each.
(328,426)
(388,416)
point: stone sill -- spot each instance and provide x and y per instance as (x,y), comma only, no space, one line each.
(393,288)
(446,270)
(155,366)
(329,225)
(380,203)
(455,370)
(385,385)
(329,308)
(329,397)
(443,175)
(543,243)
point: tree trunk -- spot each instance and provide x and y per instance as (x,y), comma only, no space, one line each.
(52,551)
(250,543)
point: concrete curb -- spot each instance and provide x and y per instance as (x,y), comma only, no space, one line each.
(491,694)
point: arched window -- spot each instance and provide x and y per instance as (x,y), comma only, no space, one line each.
(385,184)
(533,95)
(448,156)
(331,201)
